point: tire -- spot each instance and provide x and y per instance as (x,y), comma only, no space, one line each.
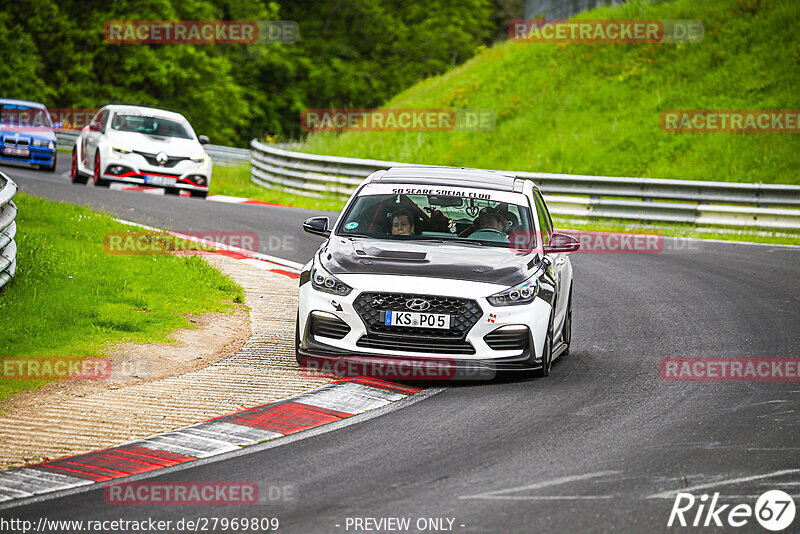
(75,175)
(50,168)
(172,191)
(297,340)
(99,182)
(547,356)
(199,194)
(566,331)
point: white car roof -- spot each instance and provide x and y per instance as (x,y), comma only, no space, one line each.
(140,110)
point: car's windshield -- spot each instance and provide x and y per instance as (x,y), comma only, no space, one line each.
(464,215)
(149,125)
(22,115)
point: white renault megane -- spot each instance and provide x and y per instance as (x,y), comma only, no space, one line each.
(142,146)
(433,263)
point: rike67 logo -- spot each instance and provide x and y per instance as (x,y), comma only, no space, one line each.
(774,510)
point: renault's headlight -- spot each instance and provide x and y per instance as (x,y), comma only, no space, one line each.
(324,281)
(118,150)
(202,159)
(522,293)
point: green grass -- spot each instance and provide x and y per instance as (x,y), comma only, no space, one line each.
(594,108)
(70,298)
(234,180)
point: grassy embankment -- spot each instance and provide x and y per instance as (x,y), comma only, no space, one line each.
(70,298)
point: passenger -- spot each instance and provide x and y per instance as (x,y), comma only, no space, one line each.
(402,222)
(491,220)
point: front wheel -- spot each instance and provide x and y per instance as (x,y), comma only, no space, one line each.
(98,181)
(199,194)
(297,340)
(566,332)
(75,175)
(547,353)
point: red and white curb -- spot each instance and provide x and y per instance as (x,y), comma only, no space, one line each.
(327,404)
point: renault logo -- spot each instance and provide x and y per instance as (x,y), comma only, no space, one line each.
(161,158)
(418,304)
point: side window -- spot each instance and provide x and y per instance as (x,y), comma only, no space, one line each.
(545,222)
(103,119)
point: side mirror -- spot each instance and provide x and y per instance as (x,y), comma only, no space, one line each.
(95,126)
(58,126)
(203,139)
(317,226)
(562,243)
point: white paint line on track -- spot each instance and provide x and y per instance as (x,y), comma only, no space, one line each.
(546,497)
(501,494)
(669,494)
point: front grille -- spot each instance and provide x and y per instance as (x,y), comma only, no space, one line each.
(151,159)
(506,338)
(372,308)
(328,326)
(16,142)
(415,344)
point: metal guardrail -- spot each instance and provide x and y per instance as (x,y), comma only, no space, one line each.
(8,229)
(705,203)
(220,155)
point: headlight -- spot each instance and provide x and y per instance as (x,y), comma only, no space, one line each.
(522,293)
(42,142)
(118,150)
(203,158)
(324,281)
(51,145)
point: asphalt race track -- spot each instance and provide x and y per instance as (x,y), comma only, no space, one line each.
(601,445)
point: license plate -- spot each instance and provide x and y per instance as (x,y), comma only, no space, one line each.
(17,151)
(163,181)
(417,319)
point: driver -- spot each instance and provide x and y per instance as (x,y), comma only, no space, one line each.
(402,222)
(492,221)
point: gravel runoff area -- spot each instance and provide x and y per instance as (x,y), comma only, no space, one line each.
(214,370)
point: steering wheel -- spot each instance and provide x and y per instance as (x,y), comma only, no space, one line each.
(495,230)
(472,211)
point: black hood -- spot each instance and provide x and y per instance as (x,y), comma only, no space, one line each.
(498,265)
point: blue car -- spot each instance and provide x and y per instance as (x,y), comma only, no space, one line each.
(27,134)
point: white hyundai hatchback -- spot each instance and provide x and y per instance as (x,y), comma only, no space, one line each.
(142,146)
(438,264)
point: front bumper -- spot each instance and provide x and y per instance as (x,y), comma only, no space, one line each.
(37,156)
(474,355)
(134,169)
